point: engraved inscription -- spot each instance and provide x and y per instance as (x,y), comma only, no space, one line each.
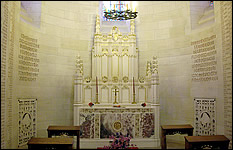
(226,25)
(4,41)
(204,60)
(28,61)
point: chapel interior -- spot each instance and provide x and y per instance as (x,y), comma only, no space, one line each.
(64,63)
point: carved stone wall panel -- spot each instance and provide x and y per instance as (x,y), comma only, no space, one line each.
(142,94)
(125,65)
(104,67)
(104,94)
(27,120)
(115,66)
(125,96)
(87,94)
(205,116)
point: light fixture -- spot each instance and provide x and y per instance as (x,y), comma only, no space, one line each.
(120,15)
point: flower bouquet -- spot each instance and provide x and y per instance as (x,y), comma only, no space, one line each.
(91,104)
(143,104)
(120,142)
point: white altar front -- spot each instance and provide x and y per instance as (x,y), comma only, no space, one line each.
(117,93)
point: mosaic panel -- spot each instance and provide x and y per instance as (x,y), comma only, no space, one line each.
(205,116)
(128,121)
(106,128)
(102,123)
(97,125)
(87,125)
(147,125)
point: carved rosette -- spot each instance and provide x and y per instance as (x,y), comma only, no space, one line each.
(125,79)
(115,79)
(141,79)
(88,79)
(105,79)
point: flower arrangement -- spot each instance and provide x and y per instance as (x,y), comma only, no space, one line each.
(91,104)
(120,142)
(143,104)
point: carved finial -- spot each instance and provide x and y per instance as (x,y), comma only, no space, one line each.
(132,26)
(148,68)
(79,65)
(97,31)
(154,65)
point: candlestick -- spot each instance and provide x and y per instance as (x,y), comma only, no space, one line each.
(96,91)
(133,86)
(96,85)
(134,102)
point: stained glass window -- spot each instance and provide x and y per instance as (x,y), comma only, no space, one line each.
(211,3)
(117,5)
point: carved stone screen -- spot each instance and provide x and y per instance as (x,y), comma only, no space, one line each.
(205,116)
(27,120)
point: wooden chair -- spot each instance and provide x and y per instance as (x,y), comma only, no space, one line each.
(201,142)
(174,129)
(68,130)
(50,143)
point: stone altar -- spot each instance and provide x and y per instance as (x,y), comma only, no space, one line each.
(115,82)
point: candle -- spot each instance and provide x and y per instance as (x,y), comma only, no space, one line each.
(133,86)
(96,85)
(114,7)
(127,6)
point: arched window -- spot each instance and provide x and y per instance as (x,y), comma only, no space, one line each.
(211,3)
(30,12)
(201,14)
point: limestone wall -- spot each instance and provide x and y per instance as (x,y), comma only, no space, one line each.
(44,69)
(164,29)
(40,61)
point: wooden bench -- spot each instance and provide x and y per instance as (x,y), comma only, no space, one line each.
(68,130)
(201,142)
(174,129)
(50,143)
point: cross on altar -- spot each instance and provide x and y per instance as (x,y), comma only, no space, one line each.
(115,96)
